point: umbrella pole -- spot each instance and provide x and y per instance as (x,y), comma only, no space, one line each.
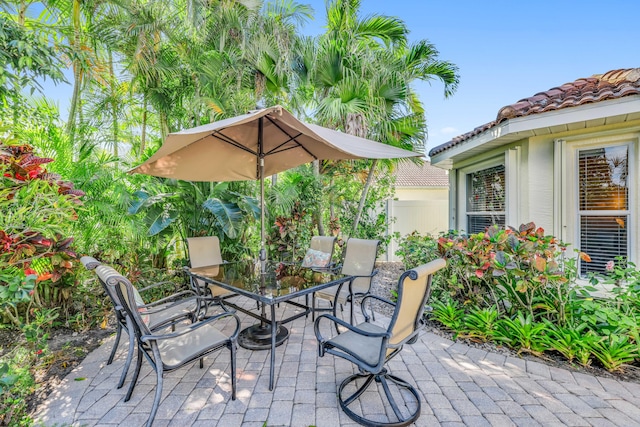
(263,251)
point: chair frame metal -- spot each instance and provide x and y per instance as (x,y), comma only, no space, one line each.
(123,322)
(148,340)
(352,295)
(377,372)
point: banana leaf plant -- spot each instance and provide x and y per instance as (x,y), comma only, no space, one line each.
(195,209)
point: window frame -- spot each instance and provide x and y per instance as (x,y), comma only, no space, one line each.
(464,176)
(571,221)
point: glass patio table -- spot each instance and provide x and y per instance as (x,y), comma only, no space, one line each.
(245,278)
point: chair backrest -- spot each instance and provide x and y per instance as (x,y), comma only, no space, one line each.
(414,289)
(204,251)
(125,296)
(320,252)
(89,262)
(360,260)
(323,244)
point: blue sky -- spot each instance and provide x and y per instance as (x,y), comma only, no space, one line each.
(509,50)
(505,50)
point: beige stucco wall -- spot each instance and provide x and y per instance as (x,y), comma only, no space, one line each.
(540,183)
(537,167)
(417,193)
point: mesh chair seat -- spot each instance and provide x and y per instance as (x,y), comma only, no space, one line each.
(365,348)
(187,347)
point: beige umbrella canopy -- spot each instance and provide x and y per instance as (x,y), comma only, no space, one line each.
(255,145)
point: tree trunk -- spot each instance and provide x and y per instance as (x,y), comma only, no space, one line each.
(77,75)
(114,105)
(143,136)
(73,106)
(317,214)
(164,126)
(363,196)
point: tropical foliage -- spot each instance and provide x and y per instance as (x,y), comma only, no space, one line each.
(519,288)
(139,70)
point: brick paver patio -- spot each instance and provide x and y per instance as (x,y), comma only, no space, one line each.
(460,385)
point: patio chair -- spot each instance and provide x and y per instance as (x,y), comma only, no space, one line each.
(359,261)
(161,313)
(203,252)
(320,252)
(167,352)
(370,347)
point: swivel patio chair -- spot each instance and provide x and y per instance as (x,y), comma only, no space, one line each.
(159,314)
(359,261)
(167,352)
(370,347)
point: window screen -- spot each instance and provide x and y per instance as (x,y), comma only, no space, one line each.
(603,206)
(486,199)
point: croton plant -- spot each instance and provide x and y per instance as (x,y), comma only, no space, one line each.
(37,208)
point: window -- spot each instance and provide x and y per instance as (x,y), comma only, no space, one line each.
(603,205)
(485,199)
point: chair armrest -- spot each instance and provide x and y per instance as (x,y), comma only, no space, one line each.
(194,326)
(89,262)
(363,306)
(170,298)
(349,326)
(361,275)
(365,275)
(379,298)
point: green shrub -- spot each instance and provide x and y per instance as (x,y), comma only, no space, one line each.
(36,259)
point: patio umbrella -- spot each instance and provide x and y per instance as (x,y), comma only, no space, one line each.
(254,145)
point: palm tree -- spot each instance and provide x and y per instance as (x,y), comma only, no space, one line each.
(362,75)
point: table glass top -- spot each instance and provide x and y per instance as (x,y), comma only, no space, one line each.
(279,280)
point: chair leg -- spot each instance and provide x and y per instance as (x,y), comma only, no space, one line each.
(232,350)
(158,395)
(115,345)
(403,419)
(127,362)
(313,306)
(351,314)
(135,376)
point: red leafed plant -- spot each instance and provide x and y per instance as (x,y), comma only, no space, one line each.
(522,266)
(37,208)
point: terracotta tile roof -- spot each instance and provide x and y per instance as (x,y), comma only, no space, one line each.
(599,87)
(409,174)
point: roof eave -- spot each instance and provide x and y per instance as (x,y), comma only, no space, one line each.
(566,119)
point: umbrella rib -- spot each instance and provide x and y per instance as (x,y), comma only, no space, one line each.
(277,150)
(224,138)
(291,138)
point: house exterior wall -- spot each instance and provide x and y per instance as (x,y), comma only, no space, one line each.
(538,206)
(542,181)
